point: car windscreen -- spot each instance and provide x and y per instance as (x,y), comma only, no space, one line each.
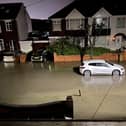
(109,63)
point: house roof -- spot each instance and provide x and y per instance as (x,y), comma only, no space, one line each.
(87,9)
(9,10)
(90,7)
(117,8)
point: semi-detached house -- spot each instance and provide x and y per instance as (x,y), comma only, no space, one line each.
(107,22)
(15,24)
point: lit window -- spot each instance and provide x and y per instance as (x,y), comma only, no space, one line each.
(121,22)
(102,22)
(8,25)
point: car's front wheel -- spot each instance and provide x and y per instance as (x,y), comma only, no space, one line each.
(87,73)
(116,72)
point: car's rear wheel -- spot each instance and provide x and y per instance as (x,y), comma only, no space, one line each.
(116,73)
(87,73)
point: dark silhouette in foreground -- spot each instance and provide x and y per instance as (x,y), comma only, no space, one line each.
(59,110)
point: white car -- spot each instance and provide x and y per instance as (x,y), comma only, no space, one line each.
(8,57)
(100,67)
(36,58)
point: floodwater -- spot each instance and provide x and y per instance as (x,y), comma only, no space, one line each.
(61,123)
(94,98)
(35,83)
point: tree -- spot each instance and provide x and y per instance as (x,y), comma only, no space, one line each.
(116,38)
(89,40)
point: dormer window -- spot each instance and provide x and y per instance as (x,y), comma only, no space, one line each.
(102,22)
(75,24)
(8,25)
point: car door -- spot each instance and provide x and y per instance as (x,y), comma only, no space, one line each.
(102,68)
(93,67)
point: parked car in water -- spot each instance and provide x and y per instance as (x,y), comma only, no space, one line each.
(39,56)
(100,67)
(36,58)
(8,57)
(42,56)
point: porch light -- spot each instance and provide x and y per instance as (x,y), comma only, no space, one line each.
(113,38)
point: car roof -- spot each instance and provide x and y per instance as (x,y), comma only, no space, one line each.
(94,60)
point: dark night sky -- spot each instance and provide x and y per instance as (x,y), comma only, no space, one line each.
(41,9)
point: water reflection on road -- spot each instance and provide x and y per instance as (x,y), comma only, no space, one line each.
(101,96)
(103,80)
(34,83)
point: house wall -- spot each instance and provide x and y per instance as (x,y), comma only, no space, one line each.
(114,28)
(23,23)
(74,14)
(8,36)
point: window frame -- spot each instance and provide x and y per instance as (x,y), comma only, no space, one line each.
(121,22)
(8,25)
(104,20)
(2,46)
(56,25)
(78,21)
(11,45)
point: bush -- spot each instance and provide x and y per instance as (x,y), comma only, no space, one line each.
(64,47)
(98,51)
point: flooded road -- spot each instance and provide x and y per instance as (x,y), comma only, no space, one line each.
(35,83)
(100,97)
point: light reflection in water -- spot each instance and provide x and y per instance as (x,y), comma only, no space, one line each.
(44,66)
(9,65)
(102,80)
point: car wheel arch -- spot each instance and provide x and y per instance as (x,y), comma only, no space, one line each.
(115,70)
(87,71)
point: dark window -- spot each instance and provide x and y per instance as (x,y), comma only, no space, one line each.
(92,64)
(98,64)
(101,65)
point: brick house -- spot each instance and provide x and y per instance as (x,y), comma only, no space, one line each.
(15,24)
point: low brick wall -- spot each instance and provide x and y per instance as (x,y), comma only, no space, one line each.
(72,58)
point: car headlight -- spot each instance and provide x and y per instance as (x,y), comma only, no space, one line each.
(122,68)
